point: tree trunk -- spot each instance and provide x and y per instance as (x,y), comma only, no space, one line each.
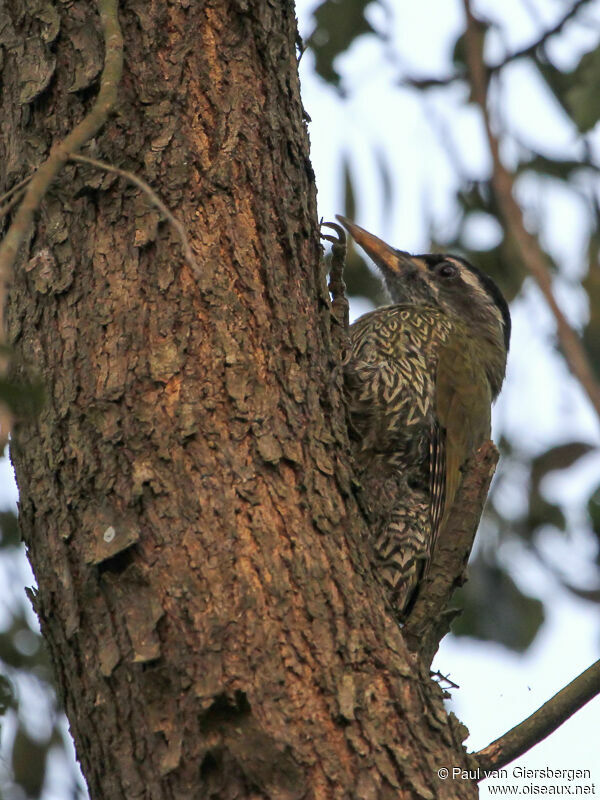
(186,492)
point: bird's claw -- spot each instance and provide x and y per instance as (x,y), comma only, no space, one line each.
(341,233)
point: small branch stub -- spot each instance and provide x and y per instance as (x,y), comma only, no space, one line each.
(430,618)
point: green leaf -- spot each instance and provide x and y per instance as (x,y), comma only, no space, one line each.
(583,97)
(495,609)
(29,762)
(577,90)
(593,509)
(542,512)
(338,24)
(561,456)
(9,530)
(7,696)
(349,196)
(359,279)
(384,172)
(476,196)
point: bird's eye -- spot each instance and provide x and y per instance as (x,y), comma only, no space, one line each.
(447,270)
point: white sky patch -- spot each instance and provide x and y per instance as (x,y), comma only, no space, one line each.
(8,488)
(482,231)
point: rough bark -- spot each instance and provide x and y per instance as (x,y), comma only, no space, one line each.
(186,492)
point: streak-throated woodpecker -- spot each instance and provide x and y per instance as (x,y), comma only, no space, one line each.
(420,379)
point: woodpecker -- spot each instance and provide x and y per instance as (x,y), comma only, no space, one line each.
(420,378)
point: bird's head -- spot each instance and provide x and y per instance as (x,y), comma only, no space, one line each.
(445,281)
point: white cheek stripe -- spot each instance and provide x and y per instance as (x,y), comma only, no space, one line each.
(472,279)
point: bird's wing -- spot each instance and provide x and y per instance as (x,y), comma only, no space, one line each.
(437,480)
(462,407)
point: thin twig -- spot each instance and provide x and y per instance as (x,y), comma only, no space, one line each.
(15,188)
(531,253)
(528,50)
(430,83)
(541,723)
(16,198)
(441,678)
(60,152)
(153,197)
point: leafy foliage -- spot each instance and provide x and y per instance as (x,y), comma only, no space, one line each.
(495,609)
(576,90)
(25,673)
(337,25)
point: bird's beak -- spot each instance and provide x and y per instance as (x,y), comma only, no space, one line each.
(386,257)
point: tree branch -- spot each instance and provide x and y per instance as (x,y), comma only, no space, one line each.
(152,196)
(16,198)
(531,48)
(60,152)
(528,50)
(17,190)
(430,620)
(527,245)
(543,722)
